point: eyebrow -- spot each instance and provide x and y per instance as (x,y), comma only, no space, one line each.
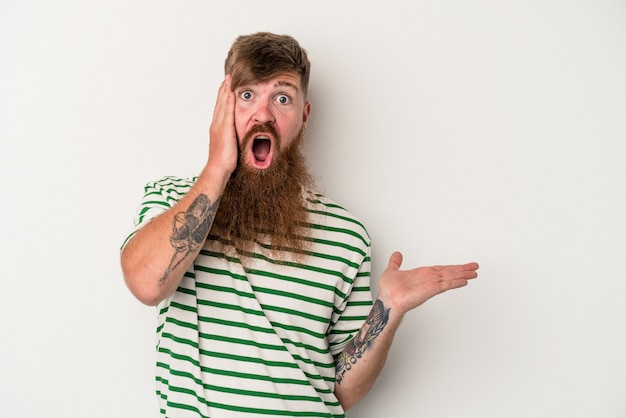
(287,84)
(280,83)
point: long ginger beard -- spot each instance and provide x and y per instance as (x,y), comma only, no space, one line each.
(266,206)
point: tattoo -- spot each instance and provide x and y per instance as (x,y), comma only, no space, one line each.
(189,231)
(373,326)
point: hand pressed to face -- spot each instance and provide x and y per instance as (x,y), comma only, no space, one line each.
(223,148)
(403,290)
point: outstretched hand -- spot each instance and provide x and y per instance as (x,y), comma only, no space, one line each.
(403,290)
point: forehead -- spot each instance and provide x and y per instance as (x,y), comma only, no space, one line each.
(286,80)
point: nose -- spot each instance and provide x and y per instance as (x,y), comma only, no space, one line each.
(263,113)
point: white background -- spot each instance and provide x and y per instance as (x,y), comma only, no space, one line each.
(456,130)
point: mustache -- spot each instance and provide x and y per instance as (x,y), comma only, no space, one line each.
(261,128)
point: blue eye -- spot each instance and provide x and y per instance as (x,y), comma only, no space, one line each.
(283,99)
(246,95)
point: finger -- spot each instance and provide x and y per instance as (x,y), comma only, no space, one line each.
(219,100)
(458,274)
(448,273)
(453,284)
(466,266)
(395,261)
(471,266)
(456,269)
(230,102)
(224,96)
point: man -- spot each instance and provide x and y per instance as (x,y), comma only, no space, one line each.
(262,285)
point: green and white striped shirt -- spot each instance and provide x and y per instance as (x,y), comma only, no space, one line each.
(259,341)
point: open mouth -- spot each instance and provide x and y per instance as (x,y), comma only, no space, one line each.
(261,151)
(261,148)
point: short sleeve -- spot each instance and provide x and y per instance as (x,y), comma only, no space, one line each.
(355,310)
(159,196)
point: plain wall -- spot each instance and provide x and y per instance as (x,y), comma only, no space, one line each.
(456,130)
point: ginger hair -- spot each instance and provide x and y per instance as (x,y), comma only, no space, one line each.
(261,56)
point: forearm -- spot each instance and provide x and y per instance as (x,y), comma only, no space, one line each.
(156,258)
(358,366)
(400,291)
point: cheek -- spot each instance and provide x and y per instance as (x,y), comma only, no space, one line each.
(240,126)
(293,129)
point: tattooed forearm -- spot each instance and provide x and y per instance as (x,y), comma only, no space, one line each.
(373,326)
(189,231)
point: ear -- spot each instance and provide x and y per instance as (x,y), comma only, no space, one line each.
(306,112)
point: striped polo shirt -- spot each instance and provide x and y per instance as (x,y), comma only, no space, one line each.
(256,336)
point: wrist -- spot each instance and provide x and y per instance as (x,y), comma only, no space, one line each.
(214,179)
(396,308)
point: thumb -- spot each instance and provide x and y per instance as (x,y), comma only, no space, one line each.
(395,261)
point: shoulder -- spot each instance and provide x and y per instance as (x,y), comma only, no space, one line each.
(172,184)
(160,195)
(328,214)
(170,188)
